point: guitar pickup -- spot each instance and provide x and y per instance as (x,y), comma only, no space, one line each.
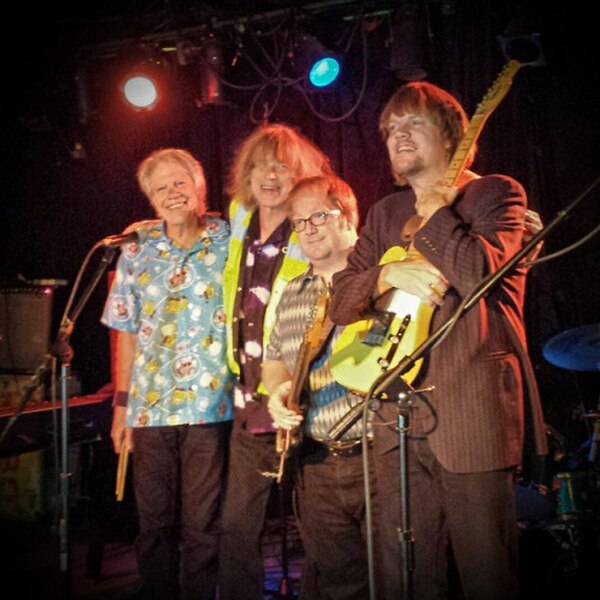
(377,334)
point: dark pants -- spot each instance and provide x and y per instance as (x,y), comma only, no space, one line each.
(178,481)
(247,495)
(331,514)
(474,513)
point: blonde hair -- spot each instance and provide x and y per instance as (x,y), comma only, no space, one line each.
(180,157)
(330,187)
(422,97)
(281,142)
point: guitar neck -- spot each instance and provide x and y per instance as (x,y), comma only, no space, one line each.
(298,377)
(459,159)
(310,343)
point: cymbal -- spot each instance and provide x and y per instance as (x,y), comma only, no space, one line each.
(576,349)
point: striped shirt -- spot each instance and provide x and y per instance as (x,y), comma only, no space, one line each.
(330,401)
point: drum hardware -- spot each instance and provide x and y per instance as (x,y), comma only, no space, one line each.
(577,494)
(578,349)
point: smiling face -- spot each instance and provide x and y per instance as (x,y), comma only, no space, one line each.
(415,145)
(422,126)
(174,195)
(321,243)
(270,181)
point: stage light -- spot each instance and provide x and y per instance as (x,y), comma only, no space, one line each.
(526,48)
(144,82)
(410,56)
(324,71)
(140,91)
(212,67)
(309,58)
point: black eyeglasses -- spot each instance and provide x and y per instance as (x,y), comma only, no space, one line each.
(316,219)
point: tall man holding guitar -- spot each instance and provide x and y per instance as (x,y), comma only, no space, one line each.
(467,430)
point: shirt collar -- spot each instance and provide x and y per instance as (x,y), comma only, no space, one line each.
(309,277)
(162,227)
(278,238)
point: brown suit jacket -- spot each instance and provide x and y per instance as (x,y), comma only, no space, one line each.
(481,371)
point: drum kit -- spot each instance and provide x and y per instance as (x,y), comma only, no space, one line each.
(567,517)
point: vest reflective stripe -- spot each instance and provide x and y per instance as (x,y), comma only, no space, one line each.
(292,265)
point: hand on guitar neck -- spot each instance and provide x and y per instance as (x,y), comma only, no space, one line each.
(285,400)
(287,415)
(434,197)
(284,417)
(429,200)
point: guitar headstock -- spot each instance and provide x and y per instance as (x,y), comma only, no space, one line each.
(499,88)
(491,100)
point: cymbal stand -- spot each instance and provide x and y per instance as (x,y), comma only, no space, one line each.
(594,454)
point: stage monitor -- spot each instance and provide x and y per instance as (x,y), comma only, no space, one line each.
(25,321)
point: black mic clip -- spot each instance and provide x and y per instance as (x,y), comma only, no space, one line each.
(62,348)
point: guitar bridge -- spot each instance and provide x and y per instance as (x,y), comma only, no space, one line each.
(394,339)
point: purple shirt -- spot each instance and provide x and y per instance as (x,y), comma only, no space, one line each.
(261,262)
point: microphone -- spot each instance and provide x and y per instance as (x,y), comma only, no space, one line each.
(112,241)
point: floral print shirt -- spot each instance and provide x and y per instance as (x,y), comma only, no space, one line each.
(171,298)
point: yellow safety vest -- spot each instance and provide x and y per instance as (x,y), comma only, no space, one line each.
(293,264)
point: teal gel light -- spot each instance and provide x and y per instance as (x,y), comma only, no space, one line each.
(324,72)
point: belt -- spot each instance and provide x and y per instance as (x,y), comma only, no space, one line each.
(341,449)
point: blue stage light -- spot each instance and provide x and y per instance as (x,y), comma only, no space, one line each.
(324,72)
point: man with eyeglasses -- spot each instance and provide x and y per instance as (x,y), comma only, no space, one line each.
(329,474)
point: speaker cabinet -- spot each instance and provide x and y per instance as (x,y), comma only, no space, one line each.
(25,320)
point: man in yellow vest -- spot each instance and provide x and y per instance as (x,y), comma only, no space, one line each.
(263,257)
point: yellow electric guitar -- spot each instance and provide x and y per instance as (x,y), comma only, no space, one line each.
(368,348)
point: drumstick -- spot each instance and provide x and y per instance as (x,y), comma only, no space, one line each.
(121,473)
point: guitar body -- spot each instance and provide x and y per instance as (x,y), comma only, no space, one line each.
(356,362)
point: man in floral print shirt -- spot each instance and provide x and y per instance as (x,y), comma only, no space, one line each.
(173,401)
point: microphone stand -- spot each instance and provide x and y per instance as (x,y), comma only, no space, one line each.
(404,391)
(63,350)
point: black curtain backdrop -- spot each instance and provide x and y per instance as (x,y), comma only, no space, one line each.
(545,133)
